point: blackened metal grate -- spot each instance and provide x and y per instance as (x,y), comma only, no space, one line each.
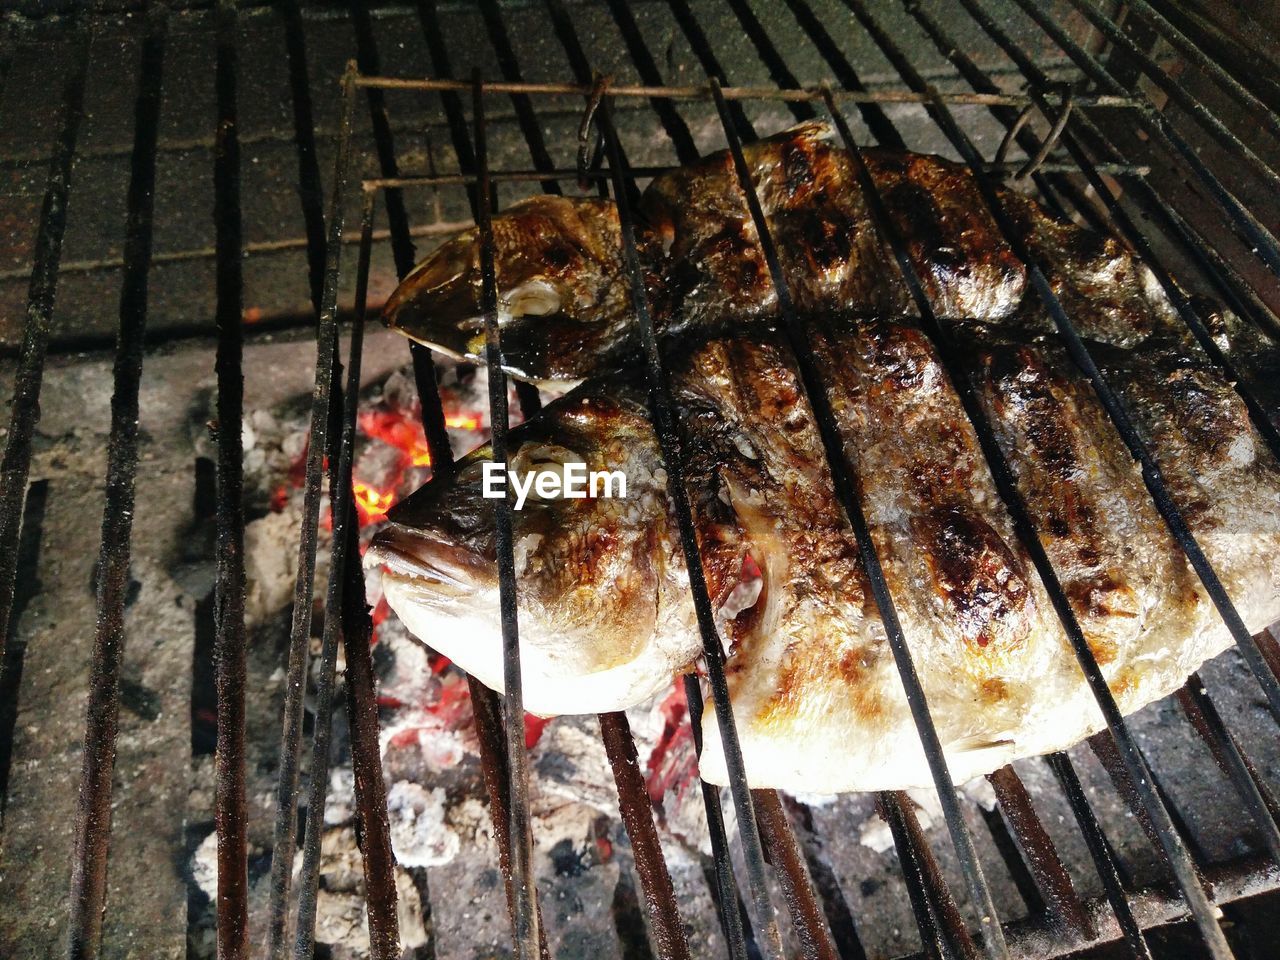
(1073,177)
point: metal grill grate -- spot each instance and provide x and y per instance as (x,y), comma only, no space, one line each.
(1077,172)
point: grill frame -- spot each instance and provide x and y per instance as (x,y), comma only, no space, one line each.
(331,434)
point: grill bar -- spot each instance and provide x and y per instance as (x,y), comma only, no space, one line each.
(779,72)
(564,174)
(1203,714)
(424,369)
(942,929)
(1176,38)
(1040,853)
(1214,731)
(677,130)
(1177,93)
(310,191)
(28,379)
(886,133)
(784,854)
(637,816)
(366,760)
(1260,238)
(846,486)
(665,427)
(1104,858)
(725,888)
(791,94)
(230,661)
(520,835)
(93,815)
(285,828)
(510,68)
(342,512)
(1175,852)
(1135,237)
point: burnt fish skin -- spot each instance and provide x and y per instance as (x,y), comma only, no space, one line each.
(562,300)
(604,610)
(563,304)
(605,616)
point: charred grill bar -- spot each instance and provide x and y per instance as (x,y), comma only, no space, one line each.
(765,834)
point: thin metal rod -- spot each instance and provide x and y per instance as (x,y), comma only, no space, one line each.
(809,93)
(1203,714)
(1175,851)
(1185,46)
(846,486)
(1213,730)
(643,61)
(424,370)
(229,651)
(1040,854)
(725,891)
(520,828)
(784,853)
(343,516)
(768,53)
(637,816)
(93,814)
(1104,860)
(526,393)
(873,116)
(1178,93)
(284,835)
(943,932)
(697,38)
(310,191)
(1260,238)
(455,115)
(663,414)
(530,128)
(380,893)
(15,468)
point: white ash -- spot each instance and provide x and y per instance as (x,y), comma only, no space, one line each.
(420,836)
(271,563)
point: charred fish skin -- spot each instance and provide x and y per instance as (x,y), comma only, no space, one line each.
(816,695)
(562,296)
(605,613)
(815,692)
(831,252)
(817,698)
(562,300)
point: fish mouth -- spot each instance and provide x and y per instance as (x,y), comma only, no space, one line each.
(437,568)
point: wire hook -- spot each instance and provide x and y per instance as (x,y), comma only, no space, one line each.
(1046,147)
(589,158)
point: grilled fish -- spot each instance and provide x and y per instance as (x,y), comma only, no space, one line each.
(605,616)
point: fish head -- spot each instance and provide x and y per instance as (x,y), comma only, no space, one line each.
(562,305)
(596,575)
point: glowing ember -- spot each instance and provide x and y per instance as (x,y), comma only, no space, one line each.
(371,503)
(461,421)
(399,431)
